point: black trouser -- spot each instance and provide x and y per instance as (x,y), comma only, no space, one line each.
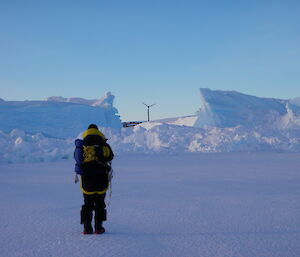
(94,202)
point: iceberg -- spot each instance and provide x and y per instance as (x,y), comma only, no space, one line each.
(57,116)
(225,109)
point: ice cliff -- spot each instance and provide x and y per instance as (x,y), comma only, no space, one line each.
(225,109)
(57,116)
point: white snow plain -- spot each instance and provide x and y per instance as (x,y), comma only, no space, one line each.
(185,205)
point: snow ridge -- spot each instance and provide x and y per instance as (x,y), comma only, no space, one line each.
(161,138)
(106,101)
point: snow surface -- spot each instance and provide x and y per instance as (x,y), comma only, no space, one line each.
(106,101)
(183,121)
(208,205)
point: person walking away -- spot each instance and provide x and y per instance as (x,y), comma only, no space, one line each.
(93,156)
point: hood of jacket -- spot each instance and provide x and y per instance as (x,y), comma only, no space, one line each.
(93,131)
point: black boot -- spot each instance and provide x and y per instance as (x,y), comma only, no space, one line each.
(88,229)
(98,227)
(100,216)
(86,220)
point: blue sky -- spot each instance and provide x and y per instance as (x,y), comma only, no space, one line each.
(149,51)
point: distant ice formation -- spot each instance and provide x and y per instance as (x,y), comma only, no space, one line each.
(226,109)
(57,116)
(227,121)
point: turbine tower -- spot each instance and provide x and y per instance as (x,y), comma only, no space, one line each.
(148,107)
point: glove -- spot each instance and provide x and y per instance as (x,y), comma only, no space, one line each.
(76,179)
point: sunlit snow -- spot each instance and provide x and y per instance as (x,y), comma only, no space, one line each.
(208,205)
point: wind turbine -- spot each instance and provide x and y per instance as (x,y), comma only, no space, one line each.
(148,107)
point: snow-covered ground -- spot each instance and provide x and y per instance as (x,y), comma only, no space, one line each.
(178,205)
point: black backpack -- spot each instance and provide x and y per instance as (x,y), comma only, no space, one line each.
(95,149)
(97,172)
